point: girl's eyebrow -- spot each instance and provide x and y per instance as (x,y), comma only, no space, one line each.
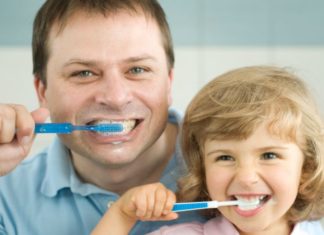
(267,148)
(215,151)
(262,149)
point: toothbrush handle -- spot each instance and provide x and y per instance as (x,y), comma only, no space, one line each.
(188,206)
(59,128)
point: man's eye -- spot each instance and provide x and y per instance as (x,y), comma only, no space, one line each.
(269,156)
(83,74)
(137,70)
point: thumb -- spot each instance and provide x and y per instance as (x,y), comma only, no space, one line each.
(40,114)
(26,137)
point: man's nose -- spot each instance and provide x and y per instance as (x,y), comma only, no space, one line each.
(113,90)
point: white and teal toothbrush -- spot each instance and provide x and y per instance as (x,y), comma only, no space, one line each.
(68,128)
(190,206)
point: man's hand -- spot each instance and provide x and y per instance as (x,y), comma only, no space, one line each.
(17,134)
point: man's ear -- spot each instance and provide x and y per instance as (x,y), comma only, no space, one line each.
(170,83)
(40,88)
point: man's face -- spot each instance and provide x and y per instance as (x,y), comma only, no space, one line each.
(103,69)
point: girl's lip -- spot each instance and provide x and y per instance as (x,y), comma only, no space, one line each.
(254,210)
(248,213)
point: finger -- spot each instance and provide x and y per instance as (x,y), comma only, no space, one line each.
(150,200)
(141,205)
(170,216)
(171,199)
(26,121)
(7,123)
(11,155)
(160,200)
(40,114)
(24,125)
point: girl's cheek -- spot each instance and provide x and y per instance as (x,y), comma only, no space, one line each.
(217,182)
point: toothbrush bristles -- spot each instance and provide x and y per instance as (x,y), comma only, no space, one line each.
(249,203)
(109,128)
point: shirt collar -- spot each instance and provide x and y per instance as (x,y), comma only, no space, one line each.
(60,173)
(176,166)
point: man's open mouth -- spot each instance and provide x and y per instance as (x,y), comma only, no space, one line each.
(127,125)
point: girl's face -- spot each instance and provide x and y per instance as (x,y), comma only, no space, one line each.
(260,167)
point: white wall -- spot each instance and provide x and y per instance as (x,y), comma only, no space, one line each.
(16,84)
(195,66)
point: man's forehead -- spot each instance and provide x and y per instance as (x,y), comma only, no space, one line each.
(60,24)
(78,33)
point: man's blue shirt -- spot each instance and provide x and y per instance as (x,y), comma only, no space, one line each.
(44,196)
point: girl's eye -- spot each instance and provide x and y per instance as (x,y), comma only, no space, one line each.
(225,158)
(269,156)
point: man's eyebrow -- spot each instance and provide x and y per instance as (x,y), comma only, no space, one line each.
(81,62)
(94,62)
(140,58)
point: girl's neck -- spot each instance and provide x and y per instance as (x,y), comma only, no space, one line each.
(283,229)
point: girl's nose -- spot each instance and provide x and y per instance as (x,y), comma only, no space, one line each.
(247,176)
(113,91)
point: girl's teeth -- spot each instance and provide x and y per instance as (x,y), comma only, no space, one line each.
(249,203)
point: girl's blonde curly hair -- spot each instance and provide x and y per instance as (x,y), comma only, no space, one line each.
(233,105)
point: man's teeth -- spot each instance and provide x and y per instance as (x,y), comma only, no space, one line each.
(249,203)
(128,125)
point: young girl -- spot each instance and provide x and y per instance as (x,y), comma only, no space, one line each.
(251,134)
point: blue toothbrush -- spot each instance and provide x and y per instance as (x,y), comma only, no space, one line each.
(190,206)
(67,128)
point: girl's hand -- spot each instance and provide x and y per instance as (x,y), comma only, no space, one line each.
(148,202)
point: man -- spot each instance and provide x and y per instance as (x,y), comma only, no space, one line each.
(95,62)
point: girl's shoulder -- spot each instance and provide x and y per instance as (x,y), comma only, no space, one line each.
(215,226)
(193,228)
(308,228)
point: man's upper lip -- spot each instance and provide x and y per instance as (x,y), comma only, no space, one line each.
(113,119)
